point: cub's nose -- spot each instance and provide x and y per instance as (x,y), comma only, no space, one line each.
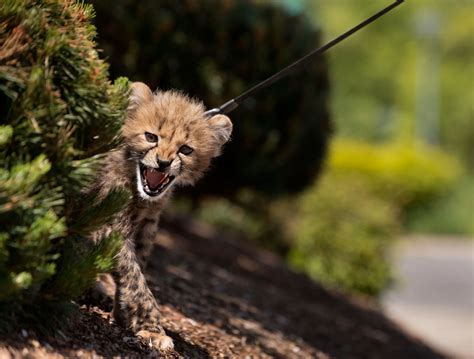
(163,164)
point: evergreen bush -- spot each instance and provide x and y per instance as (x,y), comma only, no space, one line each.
(58,114)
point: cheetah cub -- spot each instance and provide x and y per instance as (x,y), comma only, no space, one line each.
(168,142)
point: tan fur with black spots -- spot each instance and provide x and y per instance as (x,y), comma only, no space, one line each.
(167,142)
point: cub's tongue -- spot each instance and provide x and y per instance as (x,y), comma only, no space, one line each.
(154,178)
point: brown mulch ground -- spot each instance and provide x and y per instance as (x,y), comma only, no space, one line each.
(222,298)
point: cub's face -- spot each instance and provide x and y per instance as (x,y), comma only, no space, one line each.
(169,140)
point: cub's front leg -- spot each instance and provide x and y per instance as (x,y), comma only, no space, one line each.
(135,306)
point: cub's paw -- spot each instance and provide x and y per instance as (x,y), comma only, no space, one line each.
(157,341)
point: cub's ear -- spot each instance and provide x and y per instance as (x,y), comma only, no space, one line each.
(139,94)
(222,128)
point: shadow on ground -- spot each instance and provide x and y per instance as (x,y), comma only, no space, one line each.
(233,299)
(221,297)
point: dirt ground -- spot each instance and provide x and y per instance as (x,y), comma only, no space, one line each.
(222,298)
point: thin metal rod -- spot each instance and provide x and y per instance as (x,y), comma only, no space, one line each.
(235,102)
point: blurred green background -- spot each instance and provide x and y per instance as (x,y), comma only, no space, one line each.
(400,97)
(402,104)
(409,79)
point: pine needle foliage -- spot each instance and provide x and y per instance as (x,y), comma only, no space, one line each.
(58,114)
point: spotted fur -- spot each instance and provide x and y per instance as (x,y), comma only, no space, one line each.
(176,120)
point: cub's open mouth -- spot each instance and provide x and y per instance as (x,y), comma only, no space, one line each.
(153,180)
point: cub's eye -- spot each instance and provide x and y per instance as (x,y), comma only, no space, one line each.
(185,150)
(151,137)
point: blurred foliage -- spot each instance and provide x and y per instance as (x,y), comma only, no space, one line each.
(346,224)
(407,75)
(249,215)
(215,50)
(404,173)
(342,235)
(227,215)
(452,213)
(59,114)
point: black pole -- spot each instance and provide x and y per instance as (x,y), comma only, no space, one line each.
(235,102)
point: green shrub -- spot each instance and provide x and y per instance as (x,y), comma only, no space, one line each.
(250,215)
(406,174)
(228,216)
(342,234)
(59,112)
(215,50)
(347,222)
(451,213)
